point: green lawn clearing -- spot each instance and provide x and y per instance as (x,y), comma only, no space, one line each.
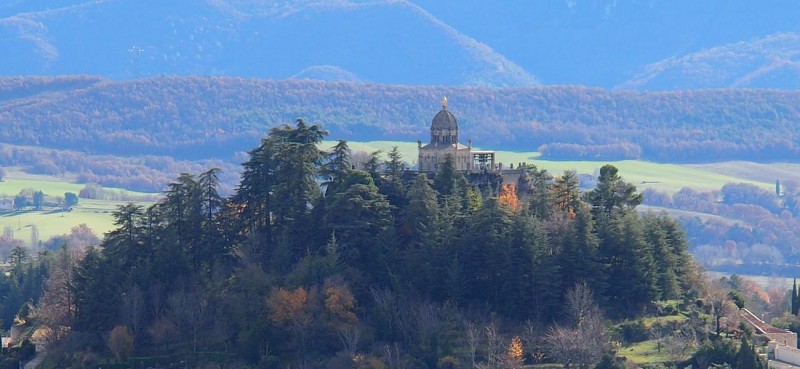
(644,352)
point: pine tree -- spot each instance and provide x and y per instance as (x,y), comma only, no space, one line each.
(338,163)
(579,250)
(630,267)
(445,183)
(96,297)
(612,192)
(361,218)
(392,185)
(373,164)
(656,237)
(747,357)
(566,192)
(123,244)
(421,212)
(489,232)
(541,193)
(212,203)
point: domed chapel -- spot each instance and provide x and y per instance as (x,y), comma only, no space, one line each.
(444,141)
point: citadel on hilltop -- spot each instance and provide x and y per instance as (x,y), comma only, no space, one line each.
(445,141)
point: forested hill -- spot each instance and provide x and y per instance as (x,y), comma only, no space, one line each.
(198,117)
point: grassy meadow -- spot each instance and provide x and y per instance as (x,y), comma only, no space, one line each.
(51,220)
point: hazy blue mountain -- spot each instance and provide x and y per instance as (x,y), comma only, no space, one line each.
(609,43)
(383,41)
(770,62)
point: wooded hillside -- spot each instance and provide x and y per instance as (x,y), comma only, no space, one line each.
(287,272)
(194,118)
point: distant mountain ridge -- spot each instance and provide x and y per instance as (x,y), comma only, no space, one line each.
(381,41)
(197,118)
(628,44)
(769,62)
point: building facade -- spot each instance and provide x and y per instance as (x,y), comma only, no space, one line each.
(444,141)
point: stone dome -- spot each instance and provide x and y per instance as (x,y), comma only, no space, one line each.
(444,120)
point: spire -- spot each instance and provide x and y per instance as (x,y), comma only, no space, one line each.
(444,102)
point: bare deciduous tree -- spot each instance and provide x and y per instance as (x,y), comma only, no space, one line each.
(133,310)
(394,357)
(585,339)
(678,343)
(162,331)
(495,353)
(189,306)
(721,306)
(472,334)
(57,305)
(121,341)
(350,336)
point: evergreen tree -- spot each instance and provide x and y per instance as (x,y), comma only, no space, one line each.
(338,163)
(361,218)
(612,192)
(527,283)
(795,305)
(579,250)
(540,192)
(566,192)
(122,245)
(96,297)
(392,185)
(182,208)
(421,211)
(254,195)
(38,200)
(212,203)
(279,185)
(445,183)
(373,164)
(667,266)
(630,267)
(747,357)
(298,160)
(489,235)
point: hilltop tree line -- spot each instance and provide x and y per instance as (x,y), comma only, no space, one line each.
(198,118)
(314,262)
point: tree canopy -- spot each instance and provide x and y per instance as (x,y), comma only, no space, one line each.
(381,256)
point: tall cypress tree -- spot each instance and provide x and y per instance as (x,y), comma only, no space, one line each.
(794,297)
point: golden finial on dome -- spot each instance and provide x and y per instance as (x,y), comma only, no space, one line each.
(444,102)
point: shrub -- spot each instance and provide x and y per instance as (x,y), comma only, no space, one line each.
(633,331)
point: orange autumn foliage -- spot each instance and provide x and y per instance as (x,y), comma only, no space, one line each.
(508,197)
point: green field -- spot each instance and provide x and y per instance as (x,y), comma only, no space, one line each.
(52,221)
(663,177)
